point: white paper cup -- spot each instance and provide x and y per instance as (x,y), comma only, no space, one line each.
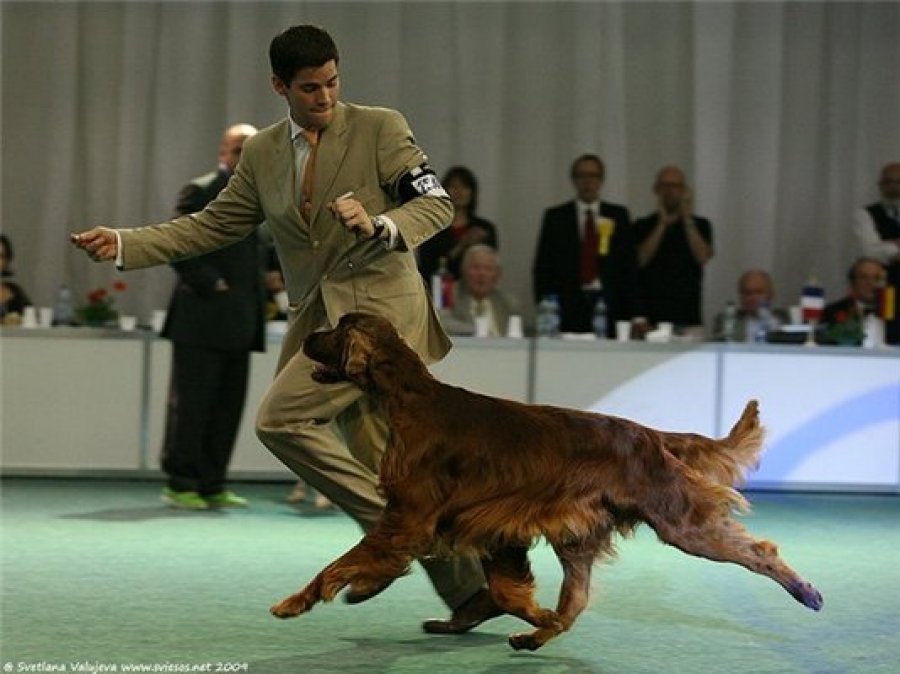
(29,317)
(623,331)
(514,328)
(158,319)
(282,301)
(666,329)
(796,315)
(482,326)
(127,323)
(45,317)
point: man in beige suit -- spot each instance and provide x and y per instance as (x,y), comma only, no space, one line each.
(347,194)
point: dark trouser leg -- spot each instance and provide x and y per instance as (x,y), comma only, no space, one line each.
(192,387)
(223,419)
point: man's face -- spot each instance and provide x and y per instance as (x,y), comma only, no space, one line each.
(671,189)
(755,289)
(312,95)
(890,183)
(587,177)
(481,275)
(230,151)
(867,279)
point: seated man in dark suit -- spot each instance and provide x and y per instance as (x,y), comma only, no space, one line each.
(586,247)
(842,319)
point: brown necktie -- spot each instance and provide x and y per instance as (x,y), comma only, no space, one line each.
(312,137)
(589,249)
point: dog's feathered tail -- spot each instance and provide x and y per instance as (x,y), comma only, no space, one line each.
(725,461)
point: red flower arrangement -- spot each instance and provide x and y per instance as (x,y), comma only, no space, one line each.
(846,330)
(100,307)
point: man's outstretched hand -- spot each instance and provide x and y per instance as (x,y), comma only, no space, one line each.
(100,243)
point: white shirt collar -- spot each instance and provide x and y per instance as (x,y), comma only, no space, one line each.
(296,129)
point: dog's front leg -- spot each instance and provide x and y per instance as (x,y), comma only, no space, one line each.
(369,563)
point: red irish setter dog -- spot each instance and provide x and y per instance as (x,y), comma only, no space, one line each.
(469,473)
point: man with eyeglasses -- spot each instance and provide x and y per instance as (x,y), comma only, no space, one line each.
(586,250)
(877,228)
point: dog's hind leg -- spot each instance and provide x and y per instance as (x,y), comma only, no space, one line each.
(577,559)
(721,539)
(512,588)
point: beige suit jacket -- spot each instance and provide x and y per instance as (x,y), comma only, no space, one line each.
(328,272)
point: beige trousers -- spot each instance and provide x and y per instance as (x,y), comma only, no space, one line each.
(333,436)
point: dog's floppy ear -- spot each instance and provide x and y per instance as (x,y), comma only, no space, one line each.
(357,351)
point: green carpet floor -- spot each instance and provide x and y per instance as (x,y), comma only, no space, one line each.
(99,574)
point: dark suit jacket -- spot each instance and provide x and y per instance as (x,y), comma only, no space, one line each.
(557,267)
(198,315)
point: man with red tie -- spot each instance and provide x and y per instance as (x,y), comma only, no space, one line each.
(586,247)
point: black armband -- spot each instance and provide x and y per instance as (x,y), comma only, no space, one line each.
(418,182)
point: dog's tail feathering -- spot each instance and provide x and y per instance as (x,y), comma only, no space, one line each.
(727,460)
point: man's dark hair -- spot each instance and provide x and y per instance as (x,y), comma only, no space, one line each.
(588,158)
(300,47)
(467,178)
(858,262)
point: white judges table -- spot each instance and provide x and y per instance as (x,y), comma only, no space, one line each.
(84,401)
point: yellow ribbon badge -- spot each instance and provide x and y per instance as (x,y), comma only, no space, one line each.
(605,228)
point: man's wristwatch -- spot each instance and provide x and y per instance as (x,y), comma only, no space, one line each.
(378,226)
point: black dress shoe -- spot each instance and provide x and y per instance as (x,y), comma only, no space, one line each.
(471,613)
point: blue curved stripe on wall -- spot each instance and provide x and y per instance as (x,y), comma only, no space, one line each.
(849,416)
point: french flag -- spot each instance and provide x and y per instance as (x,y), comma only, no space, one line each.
(812,301)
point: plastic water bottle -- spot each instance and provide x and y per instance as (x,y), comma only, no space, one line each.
(442,286)
(548,316)
(63,311)
(729,322)
(764,324)
(599,320)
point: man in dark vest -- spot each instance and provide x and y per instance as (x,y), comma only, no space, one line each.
(877,227)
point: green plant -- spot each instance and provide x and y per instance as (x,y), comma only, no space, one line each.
(100,307)
(846,330)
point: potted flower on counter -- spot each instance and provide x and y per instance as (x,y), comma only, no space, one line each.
(100,307)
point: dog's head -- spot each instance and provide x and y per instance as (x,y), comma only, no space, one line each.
(345,353)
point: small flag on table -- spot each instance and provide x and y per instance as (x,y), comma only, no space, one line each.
(812,301)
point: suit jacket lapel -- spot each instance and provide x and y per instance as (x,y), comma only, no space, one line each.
(282,172)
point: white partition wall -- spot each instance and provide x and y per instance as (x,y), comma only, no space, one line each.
(82,401)
(497,367)
(665,386)
(833,415)
(73,400)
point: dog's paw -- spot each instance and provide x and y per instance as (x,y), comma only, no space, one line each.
(290,607)
(525,642)
(807,595)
